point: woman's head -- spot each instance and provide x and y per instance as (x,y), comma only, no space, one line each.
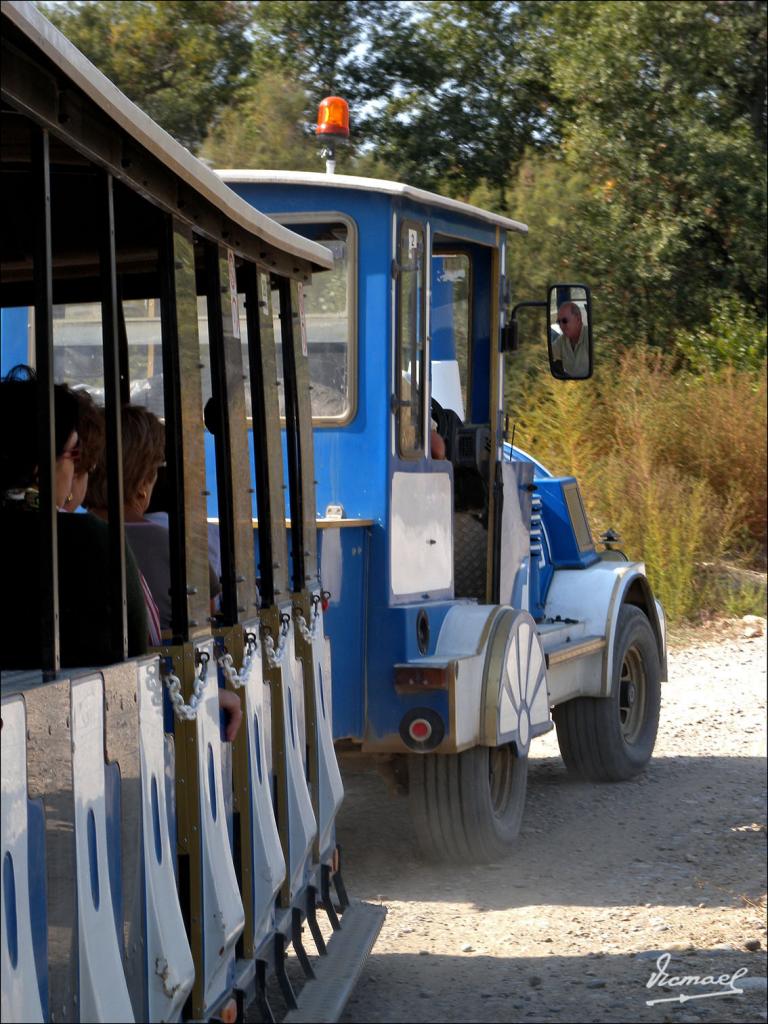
(19,456)
(91,431)
(143,453)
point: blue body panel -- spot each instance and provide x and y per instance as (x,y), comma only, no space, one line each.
(350,460)
(14,337)
(563,546)
(344,561)
(443,339)
(371,630)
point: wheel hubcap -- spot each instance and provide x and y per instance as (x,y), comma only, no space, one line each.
(632,695)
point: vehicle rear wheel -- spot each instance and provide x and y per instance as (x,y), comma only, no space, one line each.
(608,739)
(467,808)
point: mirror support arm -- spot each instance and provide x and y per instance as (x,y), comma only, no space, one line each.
(508,340)
(521,305)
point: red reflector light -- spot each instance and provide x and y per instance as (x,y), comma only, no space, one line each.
(333,117)
(420,729)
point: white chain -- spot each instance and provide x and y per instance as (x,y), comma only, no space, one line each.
(239,679)
(187,712)
(276,655)
(309,632)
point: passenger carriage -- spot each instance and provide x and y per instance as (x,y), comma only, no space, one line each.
(149,871)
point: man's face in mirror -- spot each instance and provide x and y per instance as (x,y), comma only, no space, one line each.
(569,319)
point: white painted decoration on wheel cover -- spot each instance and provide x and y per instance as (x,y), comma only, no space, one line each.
(523,705)
(170,968)
(103,992)
(18,971)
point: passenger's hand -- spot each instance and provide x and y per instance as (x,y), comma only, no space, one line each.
(230,702)
(436,445)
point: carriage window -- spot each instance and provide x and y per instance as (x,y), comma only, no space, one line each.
(331,321)
(330,324)
(77,349)
(410,341)
(78,355)
(205,356)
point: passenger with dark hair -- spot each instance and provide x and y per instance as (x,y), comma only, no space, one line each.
(143,438)
(18,456)
(143,455)
(92,441)
(92,437)
(83,542)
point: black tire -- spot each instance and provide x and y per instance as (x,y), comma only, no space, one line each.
(609,739)
(467,808)
(470,544)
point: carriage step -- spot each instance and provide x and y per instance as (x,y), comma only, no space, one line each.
(324,997)
(574,649)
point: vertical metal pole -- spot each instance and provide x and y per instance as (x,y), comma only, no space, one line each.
(173,435)
(495,479)
(292,433)
(255,315)
(190,585)
(50,654)
(224,482)
(112,391)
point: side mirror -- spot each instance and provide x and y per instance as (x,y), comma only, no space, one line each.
(569,338)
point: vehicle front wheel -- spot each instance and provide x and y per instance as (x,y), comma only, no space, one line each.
(609,739)
(467,808)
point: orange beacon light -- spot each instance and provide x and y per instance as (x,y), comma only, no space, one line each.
(333,117)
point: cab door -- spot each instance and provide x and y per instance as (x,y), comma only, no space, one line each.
(421,486)
(464,383)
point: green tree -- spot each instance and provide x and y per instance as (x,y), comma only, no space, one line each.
(667,119)
(266,129)
(302,52)
(314,42)
(457,91)
(181,61)
(734,337)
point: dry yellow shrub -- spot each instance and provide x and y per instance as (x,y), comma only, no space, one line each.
(675,463)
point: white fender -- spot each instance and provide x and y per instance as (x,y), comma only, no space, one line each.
(500,694)
(464,636)
(18,971)
(594,596)
(169,964)
(103,992)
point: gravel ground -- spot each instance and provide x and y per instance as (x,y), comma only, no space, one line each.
(605,880)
